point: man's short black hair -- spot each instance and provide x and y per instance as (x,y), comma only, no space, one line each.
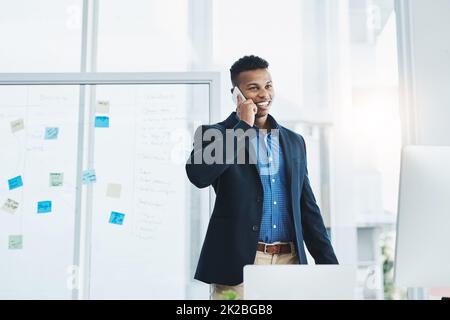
(246,63)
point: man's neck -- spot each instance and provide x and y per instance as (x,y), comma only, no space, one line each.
(263,123)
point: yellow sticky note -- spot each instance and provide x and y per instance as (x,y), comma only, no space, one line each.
(17,125)
(10,206)
(113,190)
(102,106)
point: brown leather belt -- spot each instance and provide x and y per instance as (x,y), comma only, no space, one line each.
(274,248)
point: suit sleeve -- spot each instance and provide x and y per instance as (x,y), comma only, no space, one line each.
(202,172)
(314,232)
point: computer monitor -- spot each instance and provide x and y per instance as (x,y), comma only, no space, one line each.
(299,282)
(422,256)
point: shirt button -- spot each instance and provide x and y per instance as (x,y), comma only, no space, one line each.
(273,180)
(274,202)
(270,159)
(255,228)
(274,226)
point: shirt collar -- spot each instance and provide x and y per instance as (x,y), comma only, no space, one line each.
(273,123)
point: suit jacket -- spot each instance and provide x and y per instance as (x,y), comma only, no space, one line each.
(233,229)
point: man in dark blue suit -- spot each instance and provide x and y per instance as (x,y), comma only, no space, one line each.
(265,209)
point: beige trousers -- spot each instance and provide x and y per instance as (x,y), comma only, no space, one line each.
(223,292)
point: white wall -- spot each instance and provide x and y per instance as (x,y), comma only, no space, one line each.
(424,63)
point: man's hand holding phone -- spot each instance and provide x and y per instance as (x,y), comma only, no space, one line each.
(246,109)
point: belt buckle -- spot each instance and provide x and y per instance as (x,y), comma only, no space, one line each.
(265,248)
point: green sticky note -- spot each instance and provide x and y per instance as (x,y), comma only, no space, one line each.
(15,242)
(56,179)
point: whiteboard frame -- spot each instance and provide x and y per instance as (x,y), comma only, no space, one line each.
(82,254)
(92,78)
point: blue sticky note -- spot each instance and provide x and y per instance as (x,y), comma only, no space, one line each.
(89,176)
(116,217)
(101,122)
(51,133)
(15,182)
(44,207)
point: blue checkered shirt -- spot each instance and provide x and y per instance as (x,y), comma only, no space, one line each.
(276,223)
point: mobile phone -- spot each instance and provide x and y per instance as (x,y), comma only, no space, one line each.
(236,93)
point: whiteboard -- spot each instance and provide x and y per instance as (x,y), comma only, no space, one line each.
(137,157)
(38,268)
(148,256)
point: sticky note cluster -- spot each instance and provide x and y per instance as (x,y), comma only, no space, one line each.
(113,190)
(102,107)
(56,179)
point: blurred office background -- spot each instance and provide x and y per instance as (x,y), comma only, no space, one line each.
(335,71)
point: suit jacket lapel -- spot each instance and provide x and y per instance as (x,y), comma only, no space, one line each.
(229,123)
(284,141)
(292,175)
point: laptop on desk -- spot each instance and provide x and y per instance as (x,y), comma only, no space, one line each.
(299,282)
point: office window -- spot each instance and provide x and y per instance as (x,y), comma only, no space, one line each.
(376,142)
(40,36)
(334,65)
(143,35)
(267,29)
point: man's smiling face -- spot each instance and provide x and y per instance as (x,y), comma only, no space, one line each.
(257,85)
